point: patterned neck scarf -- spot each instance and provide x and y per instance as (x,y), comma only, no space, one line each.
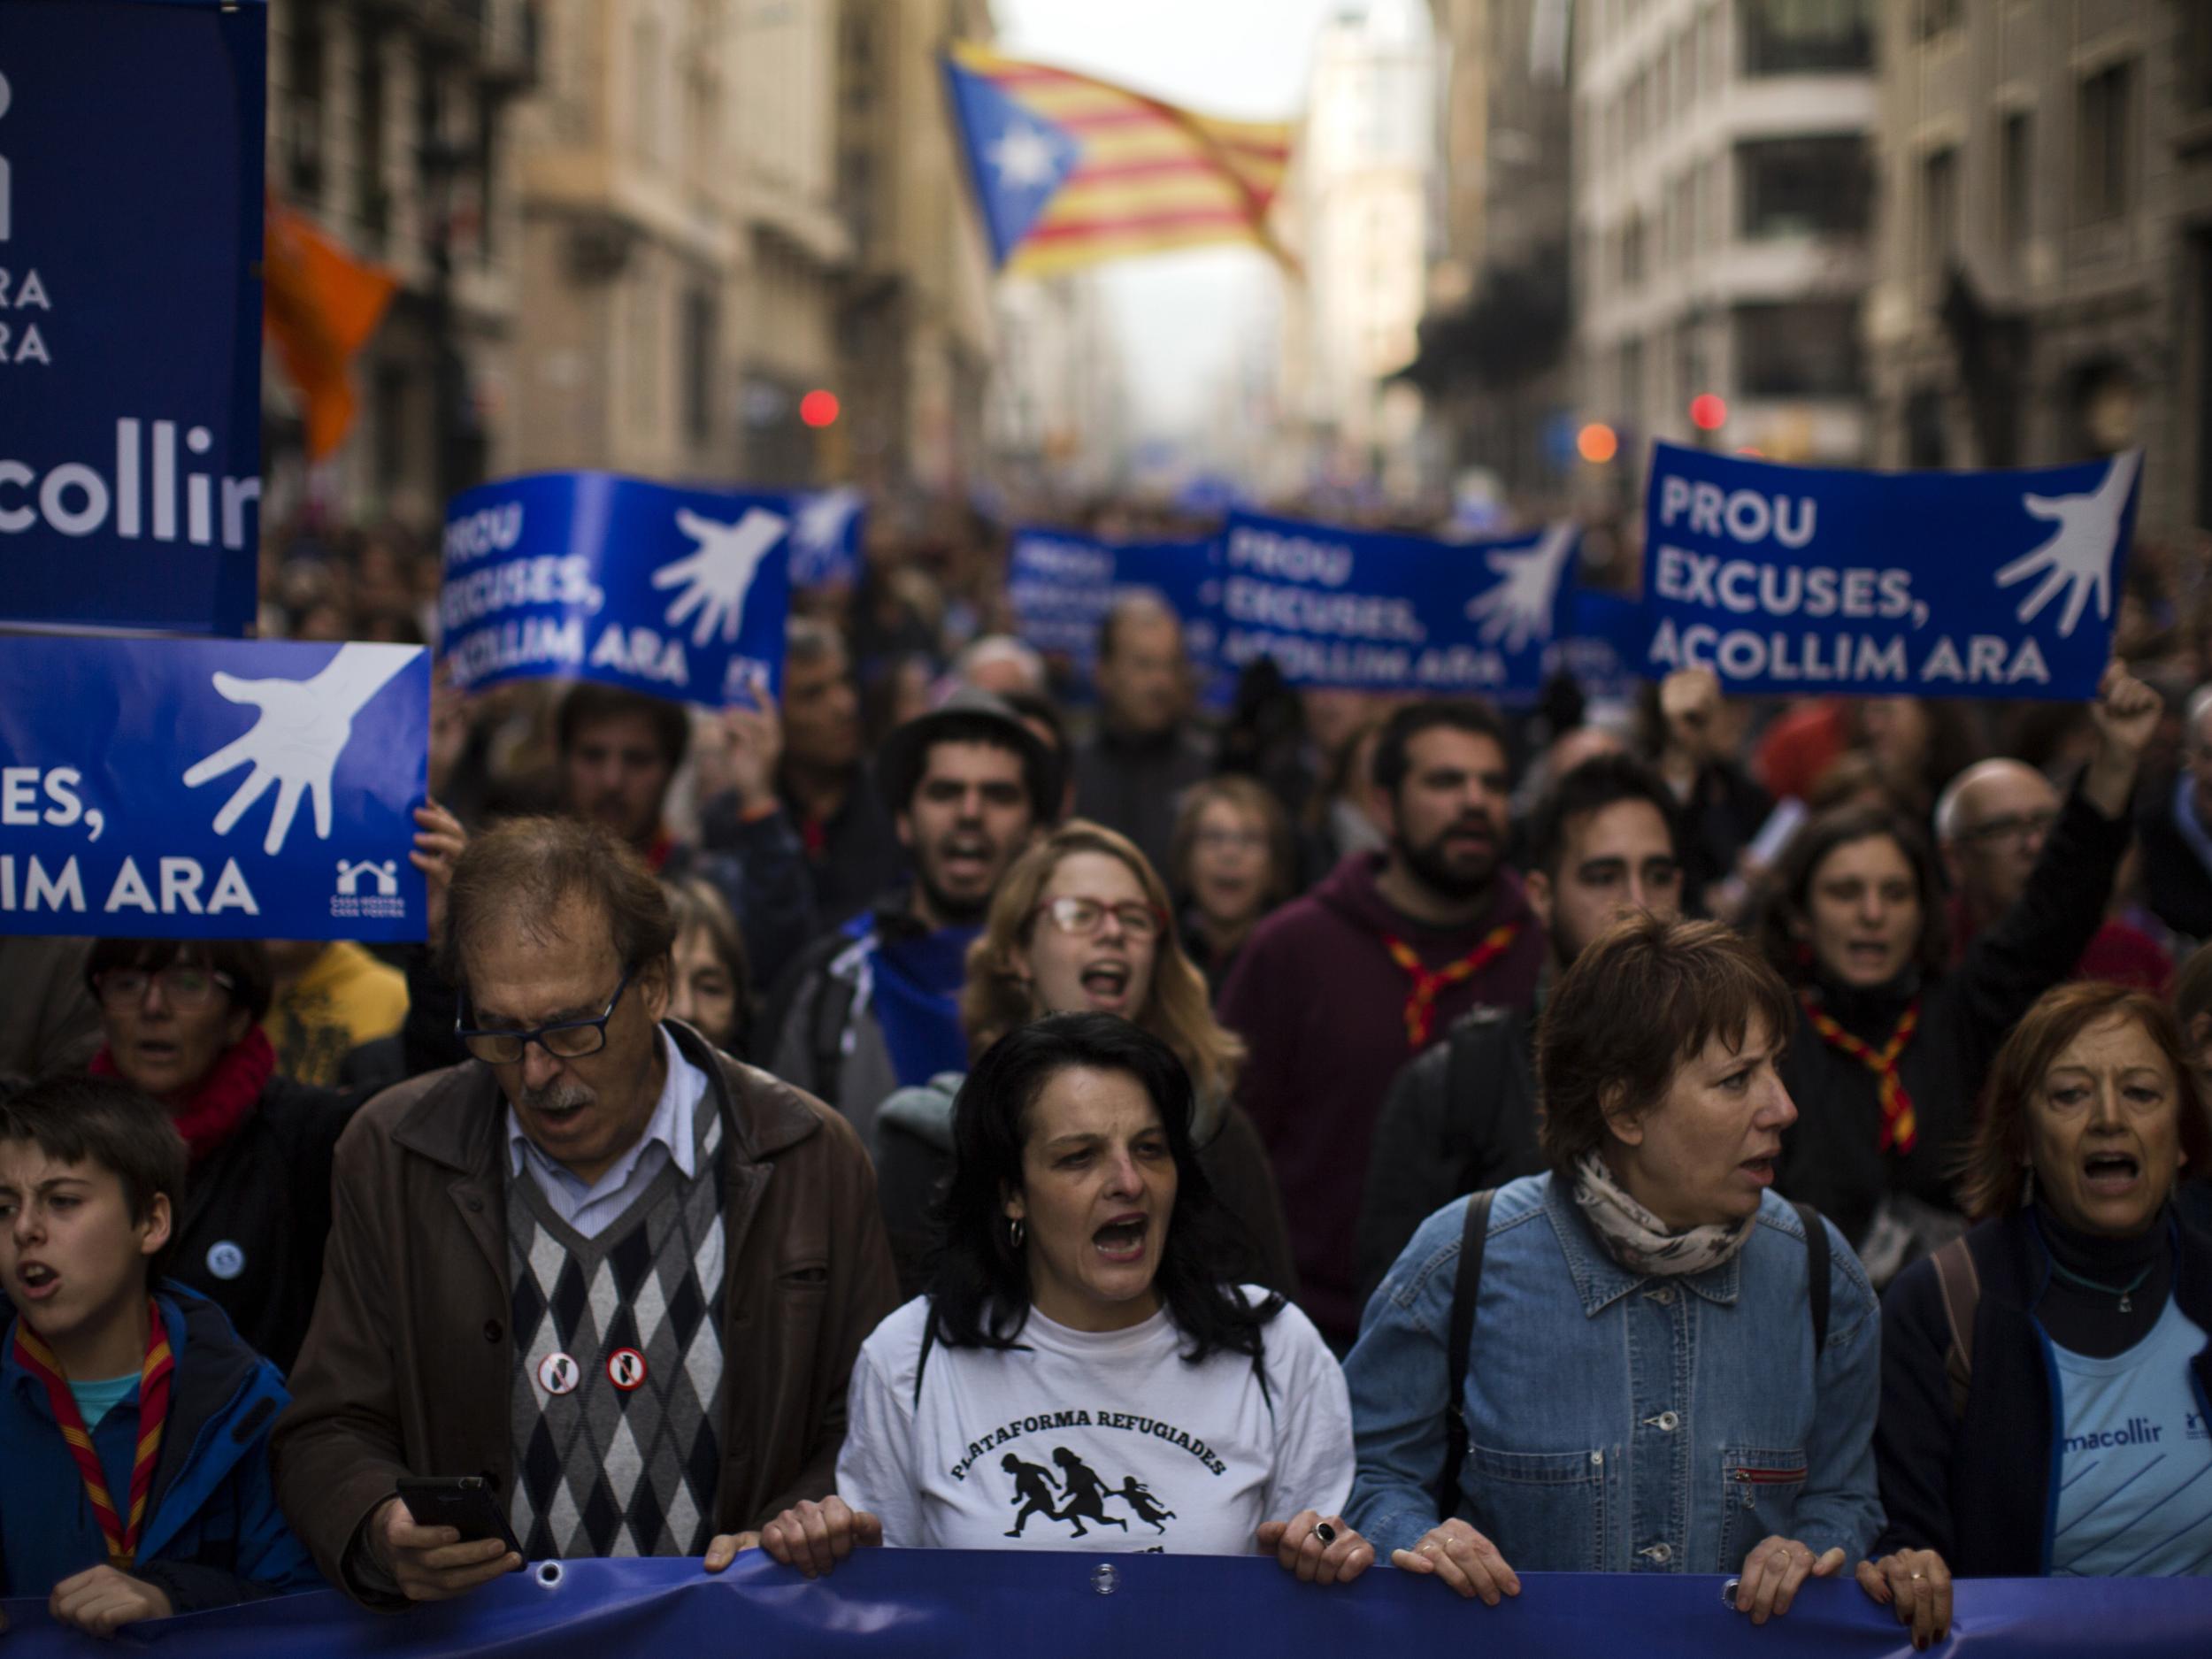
(1428,982)
(36,1357)
(1638,1240)
(1901,1129)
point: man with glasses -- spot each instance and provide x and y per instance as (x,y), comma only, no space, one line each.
(874,1006)
(1991,823)
(617,1275)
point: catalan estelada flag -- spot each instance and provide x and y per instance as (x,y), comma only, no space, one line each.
(1070,170)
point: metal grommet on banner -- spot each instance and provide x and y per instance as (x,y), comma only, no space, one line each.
(549,1574)
(1728,1593)
(1104,1579)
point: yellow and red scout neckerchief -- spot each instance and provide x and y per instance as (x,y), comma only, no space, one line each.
(153,1411)
(1427,982)
(1900,1128)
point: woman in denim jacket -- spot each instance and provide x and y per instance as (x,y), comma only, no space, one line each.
(1642,1393)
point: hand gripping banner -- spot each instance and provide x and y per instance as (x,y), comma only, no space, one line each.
(956,1604)
(130,312)
(211,790)
(677,592)
(1802,580)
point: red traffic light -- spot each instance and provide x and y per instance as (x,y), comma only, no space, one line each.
(1597,444)
(1709,411)
(819,408)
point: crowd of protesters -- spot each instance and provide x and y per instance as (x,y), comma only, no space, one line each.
(1356,1126)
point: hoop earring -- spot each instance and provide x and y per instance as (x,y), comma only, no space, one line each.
(1016,1230)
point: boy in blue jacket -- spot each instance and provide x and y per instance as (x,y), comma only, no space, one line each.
(134,1423)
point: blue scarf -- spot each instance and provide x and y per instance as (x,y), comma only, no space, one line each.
(916,999)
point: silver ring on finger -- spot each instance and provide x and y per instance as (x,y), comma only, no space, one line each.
(1325,1533)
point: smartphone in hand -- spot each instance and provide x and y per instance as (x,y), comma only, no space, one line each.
(464,1503)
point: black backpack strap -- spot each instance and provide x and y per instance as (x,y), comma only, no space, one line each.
(833,1010)
(1817,1270)
(1466,1287)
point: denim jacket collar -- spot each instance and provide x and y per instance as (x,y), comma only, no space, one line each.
(1601,1281)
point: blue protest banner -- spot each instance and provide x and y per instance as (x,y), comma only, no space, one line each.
(1080,1604)
(1606,637)
(678,593)
(1379,611)
(211,788)
(130,312)
(1796,580)
(827,529)
(1062,585)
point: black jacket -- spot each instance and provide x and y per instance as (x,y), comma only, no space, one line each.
(1459,1118)
(1832,1157)
(257,1214)
(2174,878)
(1977,1490)
(1134,785)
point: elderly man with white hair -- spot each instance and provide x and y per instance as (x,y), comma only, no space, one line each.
(1990,824)
(2174,828)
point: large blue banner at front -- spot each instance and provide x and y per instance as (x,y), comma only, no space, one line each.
(130,312)
(1378,611)
(1074,1604)
(677,592)
(1796,580)
(211,788)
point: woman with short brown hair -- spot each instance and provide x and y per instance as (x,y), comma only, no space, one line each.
(1667,1369)
(2047,1379)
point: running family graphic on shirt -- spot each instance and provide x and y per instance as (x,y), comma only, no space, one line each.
(1063,1487)
(1093,1439)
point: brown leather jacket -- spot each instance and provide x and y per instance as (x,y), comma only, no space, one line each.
(408,1366)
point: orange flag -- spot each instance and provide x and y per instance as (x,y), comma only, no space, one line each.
(321,306)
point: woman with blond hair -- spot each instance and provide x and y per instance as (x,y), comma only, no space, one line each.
(1233,859)
(1082,924)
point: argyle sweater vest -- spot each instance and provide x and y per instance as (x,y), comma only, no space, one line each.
(617,1392)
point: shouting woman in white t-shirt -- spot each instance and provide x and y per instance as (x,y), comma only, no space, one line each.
(1075,1376)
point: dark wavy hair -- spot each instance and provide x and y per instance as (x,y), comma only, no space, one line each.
(979,1286)
(1787,899)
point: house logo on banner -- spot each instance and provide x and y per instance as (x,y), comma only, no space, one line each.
(677,592)
(1935,584)
(103,831)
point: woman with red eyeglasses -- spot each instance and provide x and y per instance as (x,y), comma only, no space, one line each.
(181,1021)
(1082,925)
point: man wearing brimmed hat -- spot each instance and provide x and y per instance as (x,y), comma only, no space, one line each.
(874,1006)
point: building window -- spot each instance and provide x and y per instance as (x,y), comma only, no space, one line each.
(304,125)
(375,198)
(1924,443)
(1796,37)
(646,114)
(1804,348)
(487,176)
(1938,212)
(2104,145)
(1632,381)
(1936,16)
(700,344)
(1803,187)
(2015,148)
(2193,78)
(1632,253)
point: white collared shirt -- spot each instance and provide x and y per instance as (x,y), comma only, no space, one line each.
(671,1134)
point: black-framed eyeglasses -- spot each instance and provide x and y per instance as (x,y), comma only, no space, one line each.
(570,1040)
(187,989)
(2020,827)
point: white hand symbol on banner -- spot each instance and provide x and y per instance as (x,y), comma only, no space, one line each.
(1519,608)
(721,572)
(2080,552)
(304,726)
(823,518)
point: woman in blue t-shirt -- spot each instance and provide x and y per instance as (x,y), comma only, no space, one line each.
(2046,1384)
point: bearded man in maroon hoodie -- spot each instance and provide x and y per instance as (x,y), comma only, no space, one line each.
(1338,990)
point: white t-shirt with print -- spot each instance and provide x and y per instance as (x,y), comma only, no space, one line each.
(1082,1440)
